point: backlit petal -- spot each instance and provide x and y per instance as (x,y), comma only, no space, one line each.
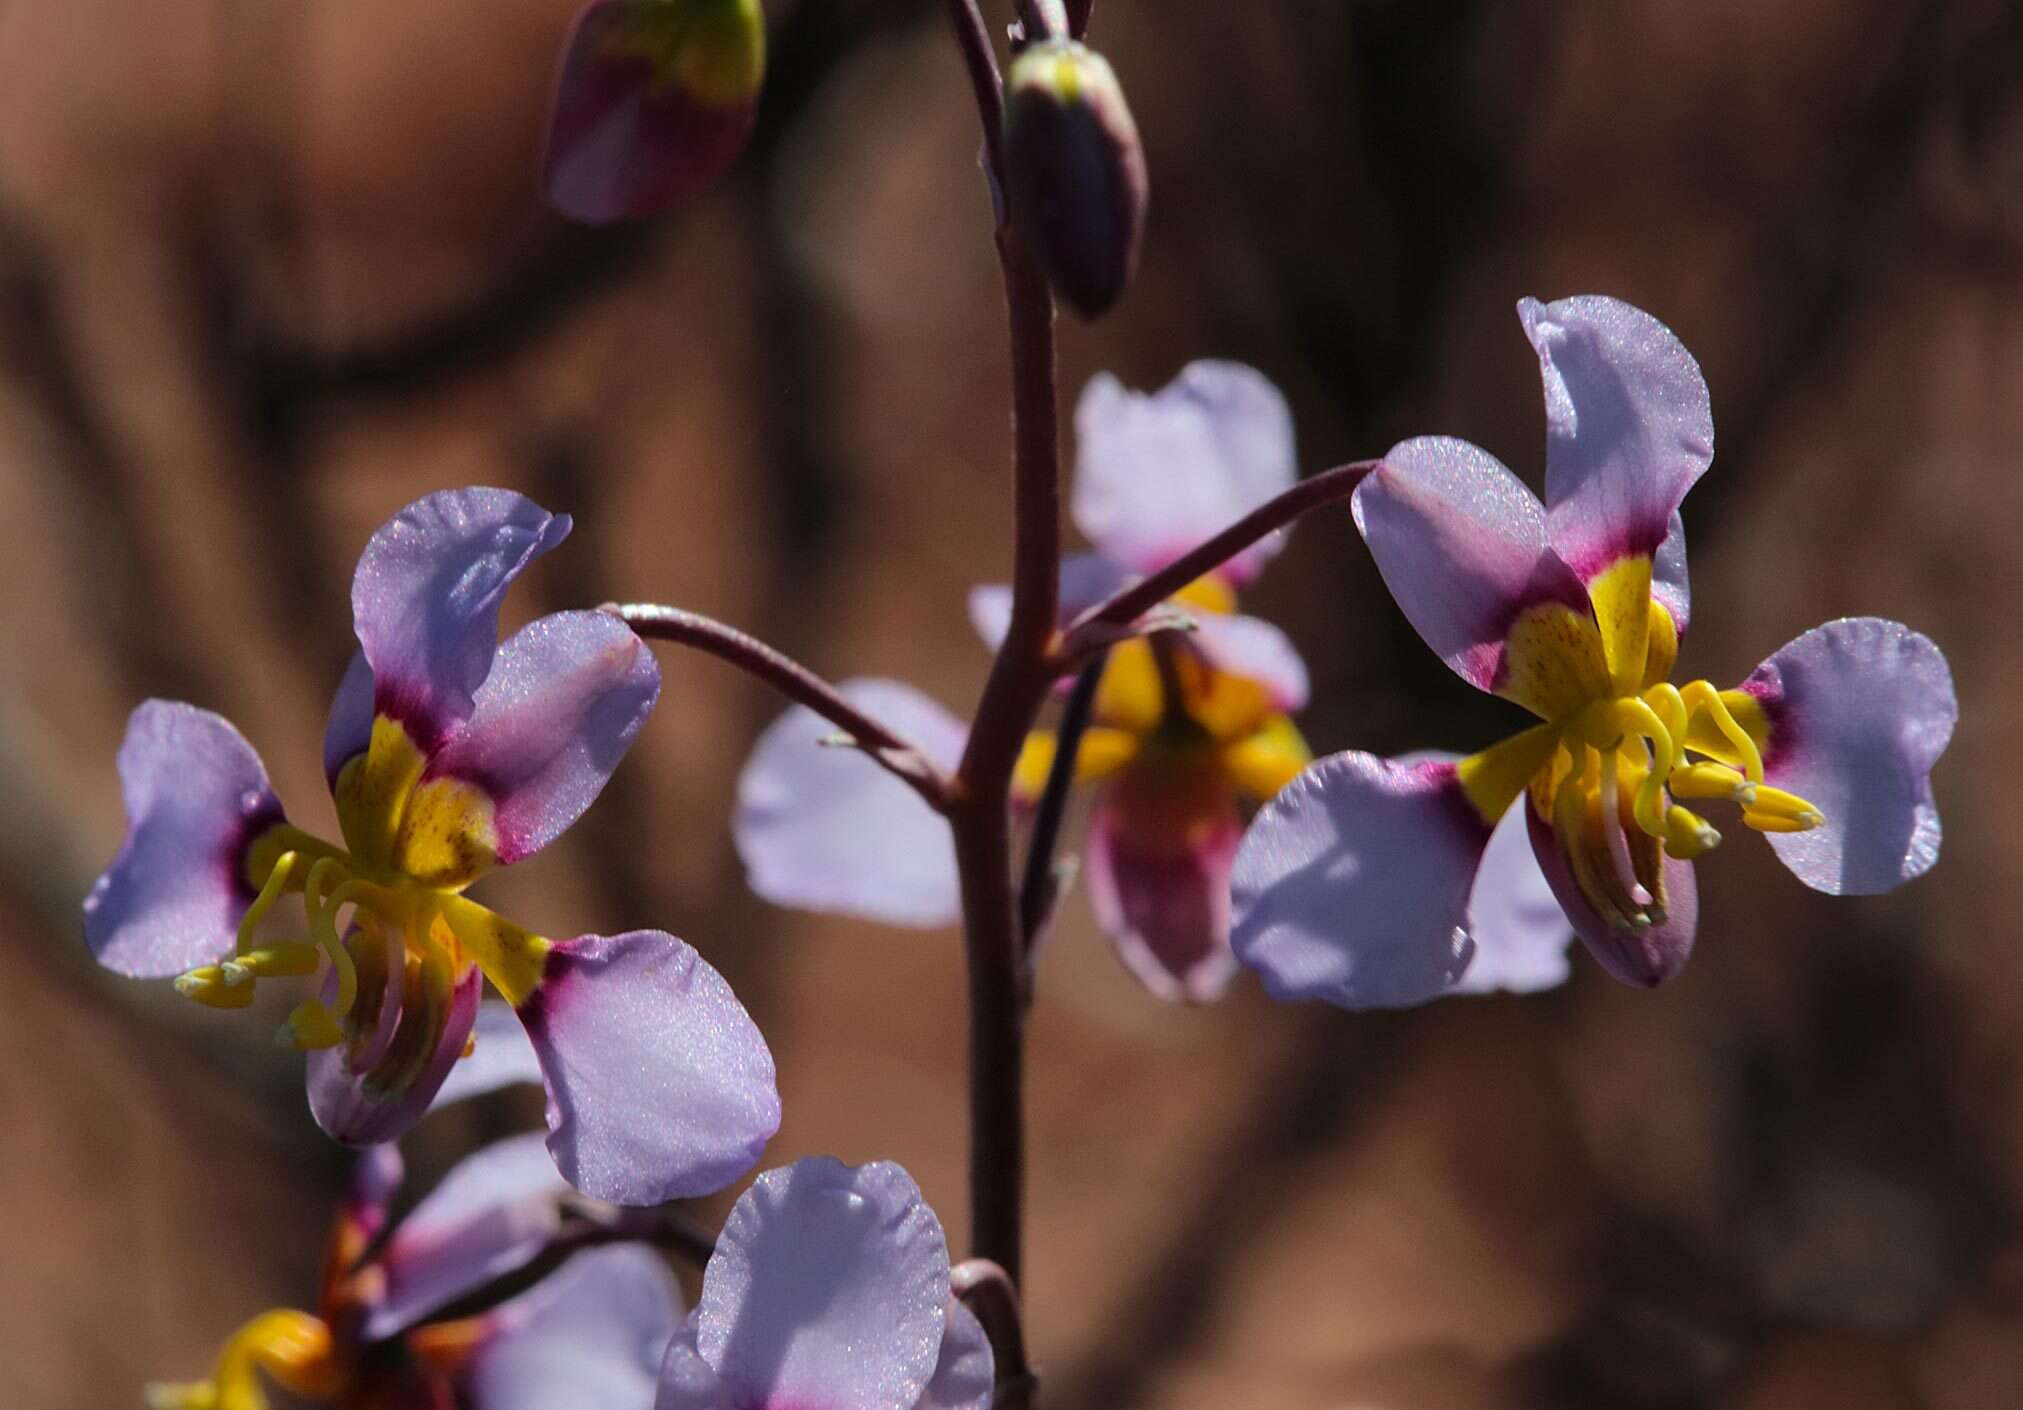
(425,599)
(1521,934)
(196,798)
(828,1290)
(828,829)
(501,1058)
(1628,426)
(1352,885)
(1086,579)
(966,1368)
(1462,546)
(1160,889)
(1157,474)
(1255,650)
(659,1085)
(492,1213)
(590,1336)
(1645,958)
(1859,709)
(687,1382)
(349,729)
(564,700)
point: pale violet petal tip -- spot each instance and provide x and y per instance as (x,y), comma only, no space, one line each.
(349,729)
(493,1212)
(1157,474)
(1352,885)
(1860,710)
(501,1057)
(591,1336)
(565,698)
(1461,544)
(1521,935)
(1256,650)
(964,1374)
(1629,426)
(829,1287)
(659,1084)
(425,598)
(196,798)
(825,828)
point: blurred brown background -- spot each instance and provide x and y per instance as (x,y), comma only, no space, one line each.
(269,269)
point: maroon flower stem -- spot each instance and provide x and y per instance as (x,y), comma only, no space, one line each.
(792,680)
(972,36)
(1078,16)
(979,812)
(1039,888)
(1095,628)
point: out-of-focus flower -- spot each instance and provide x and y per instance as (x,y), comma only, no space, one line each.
(654,103)
(829,1290)
(1187,726)
(1076,171)
(1354,885)
(589,1336)
(447,752)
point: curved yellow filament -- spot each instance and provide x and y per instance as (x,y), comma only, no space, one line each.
(270,892)
(1701,698)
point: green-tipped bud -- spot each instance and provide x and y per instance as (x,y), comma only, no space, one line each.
(1075,172)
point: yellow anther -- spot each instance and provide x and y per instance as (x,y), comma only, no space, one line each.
(1774,810)
(270,892)
(310,1026)
(1770,822)
(212,987)
(1702,698)
(282,959)
(1718,781)
(1687,834)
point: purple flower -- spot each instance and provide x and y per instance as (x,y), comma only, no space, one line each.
(1356,884)
(1186,727)
(590,1336)
(655,101)
(829,1290)
(448,752)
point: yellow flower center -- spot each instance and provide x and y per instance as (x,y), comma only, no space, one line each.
(1620,744)
(409,935)
(1162,712)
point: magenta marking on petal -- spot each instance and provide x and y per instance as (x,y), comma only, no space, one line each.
(258,813)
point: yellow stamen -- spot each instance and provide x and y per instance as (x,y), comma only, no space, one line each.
(1702,698)
(1774,810)
(293,1348)
(212,987)
(281,959)
(1687,834)
(270,892)
(1717,781)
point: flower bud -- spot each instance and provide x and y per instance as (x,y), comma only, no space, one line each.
(655,102)
(1075,172)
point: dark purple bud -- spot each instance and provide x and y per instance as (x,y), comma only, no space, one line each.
(1075,172)
(655,102)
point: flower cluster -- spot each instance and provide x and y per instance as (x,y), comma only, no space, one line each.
(1355,884)
(1367,882)
(448,753)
